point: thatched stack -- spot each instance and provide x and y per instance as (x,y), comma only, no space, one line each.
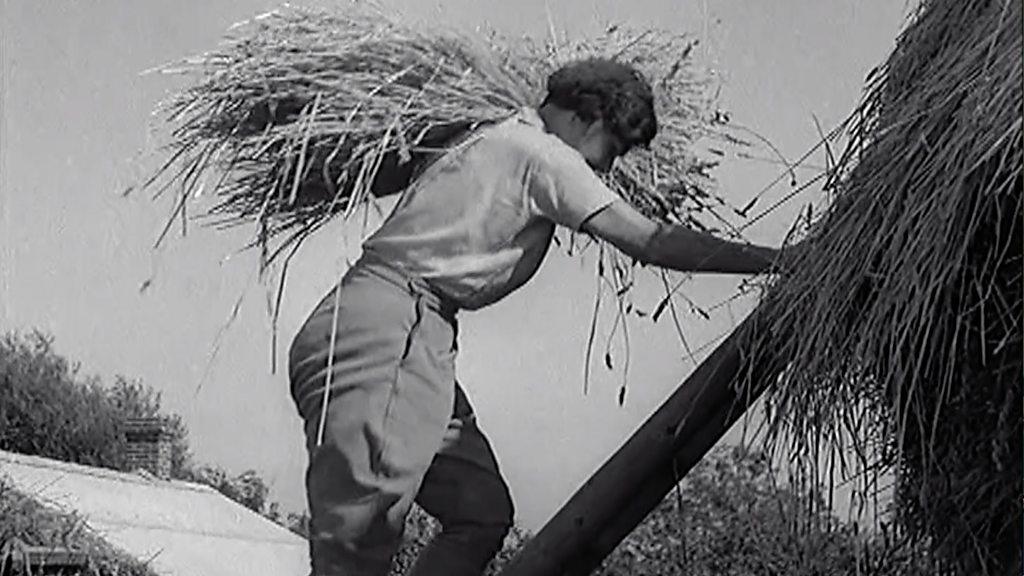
(302,115)
(907,344)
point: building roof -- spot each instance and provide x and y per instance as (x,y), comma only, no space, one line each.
(183,528)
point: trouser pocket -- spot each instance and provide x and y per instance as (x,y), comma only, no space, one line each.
(420,310)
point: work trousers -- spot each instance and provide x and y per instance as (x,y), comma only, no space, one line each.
(372,373)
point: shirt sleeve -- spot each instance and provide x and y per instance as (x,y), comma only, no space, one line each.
(563,188)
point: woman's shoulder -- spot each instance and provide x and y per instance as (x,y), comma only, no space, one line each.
(523,134)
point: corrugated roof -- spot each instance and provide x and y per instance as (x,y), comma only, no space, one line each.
(186,529)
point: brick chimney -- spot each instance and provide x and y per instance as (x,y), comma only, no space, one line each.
(149,446)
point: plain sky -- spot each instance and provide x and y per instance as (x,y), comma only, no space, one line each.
(76,114)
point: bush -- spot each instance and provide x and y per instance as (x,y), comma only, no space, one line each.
(248,489)
(731,517)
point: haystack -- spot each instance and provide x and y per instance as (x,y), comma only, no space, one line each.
(907,345)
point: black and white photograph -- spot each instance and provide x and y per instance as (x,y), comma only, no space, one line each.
(500,288)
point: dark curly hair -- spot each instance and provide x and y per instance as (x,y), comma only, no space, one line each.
(600,88)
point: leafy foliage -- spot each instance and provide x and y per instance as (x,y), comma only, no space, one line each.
(248,489)
(730,517)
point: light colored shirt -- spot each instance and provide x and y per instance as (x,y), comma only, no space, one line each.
(477,223)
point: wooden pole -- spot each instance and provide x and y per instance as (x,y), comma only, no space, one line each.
(647,497)
(639,475)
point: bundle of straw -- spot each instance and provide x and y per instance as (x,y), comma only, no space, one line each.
(301,115)
(906,341)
